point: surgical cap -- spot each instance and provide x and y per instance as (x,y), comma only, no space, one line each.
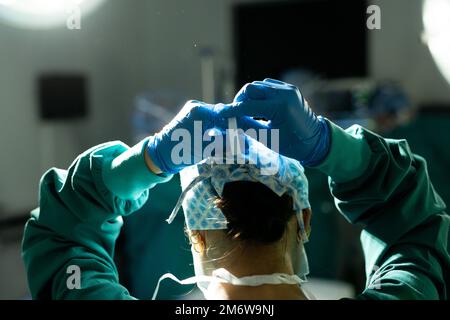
(203,183)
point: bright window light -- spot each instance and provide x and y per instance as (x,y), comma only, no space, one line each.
(436,20)
(43,14)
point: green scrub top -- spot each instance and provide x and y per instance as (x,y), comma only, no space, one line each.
(378,183)
(146,235)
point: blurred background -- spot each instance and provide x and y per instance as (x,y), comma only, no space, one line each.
(74,74)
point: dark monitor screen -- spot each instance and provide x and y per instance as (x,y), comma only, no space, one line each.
(327,37)
(62,96)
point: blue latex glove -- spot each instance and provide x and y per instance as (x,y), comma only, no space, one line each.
(303,135)
(194,119)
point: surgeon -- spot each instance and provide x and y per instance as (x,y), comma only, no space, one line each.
(378,183)
(247,222)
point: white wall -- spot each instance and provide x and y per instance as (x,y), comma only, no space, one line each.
(126,48)
(108,49)
(397,52)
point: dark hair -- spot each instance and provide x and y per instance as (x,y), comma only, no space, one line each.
(254,212)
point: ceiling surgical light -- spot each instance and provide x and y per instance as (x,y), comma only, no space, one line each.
(43,14)
(436,20)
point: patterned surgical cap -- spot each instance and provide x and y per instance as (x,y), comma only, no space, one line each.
(202,183)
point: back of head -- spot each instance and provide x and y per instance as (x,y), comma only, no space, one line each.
(254,212)
(243,219)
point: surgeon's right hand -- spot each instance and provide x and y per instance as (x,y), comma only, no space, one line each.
(302,135)
(191,123)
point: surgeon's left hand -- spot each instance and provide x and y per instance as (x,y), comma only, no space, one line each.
(191,123)
(302,135)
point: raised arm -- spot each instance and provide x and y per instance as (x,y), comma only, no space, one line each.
(79,220)
(80,210)
(376,182)
(382,185)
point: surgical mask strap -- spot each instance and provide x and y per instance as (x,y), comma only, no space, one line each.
(199,179)
(257,280)
(182,196)
(302,231)
(191,280)
(224,276)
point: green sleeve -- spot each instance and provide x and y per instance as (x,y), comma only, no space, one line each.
(380,184)
(79,219)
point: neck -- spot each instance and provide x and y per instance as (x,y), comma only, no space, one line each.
(225,291)
(250,262)
(257,260)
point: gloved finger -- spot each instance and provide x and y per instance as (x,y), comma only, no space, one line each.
(271,88)
(241,95)
(197,102)
(250,91)
(246,123)
(268,85)
(204,114)
(191,107)
(259,90)
(277,84)
(245,126)
(250,108)
(269,80)
(275,81)
(221,123)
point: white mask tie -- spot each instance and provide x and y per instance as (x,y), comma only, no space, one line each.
(224,276)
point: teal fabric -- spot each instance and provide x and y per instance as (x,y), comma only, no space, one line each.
(405,227)
(376,182)
(429,136)
(334,250)
(77,223)
(146,236)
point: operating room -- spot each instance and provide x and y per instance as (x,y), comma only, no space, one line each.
(77,74)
